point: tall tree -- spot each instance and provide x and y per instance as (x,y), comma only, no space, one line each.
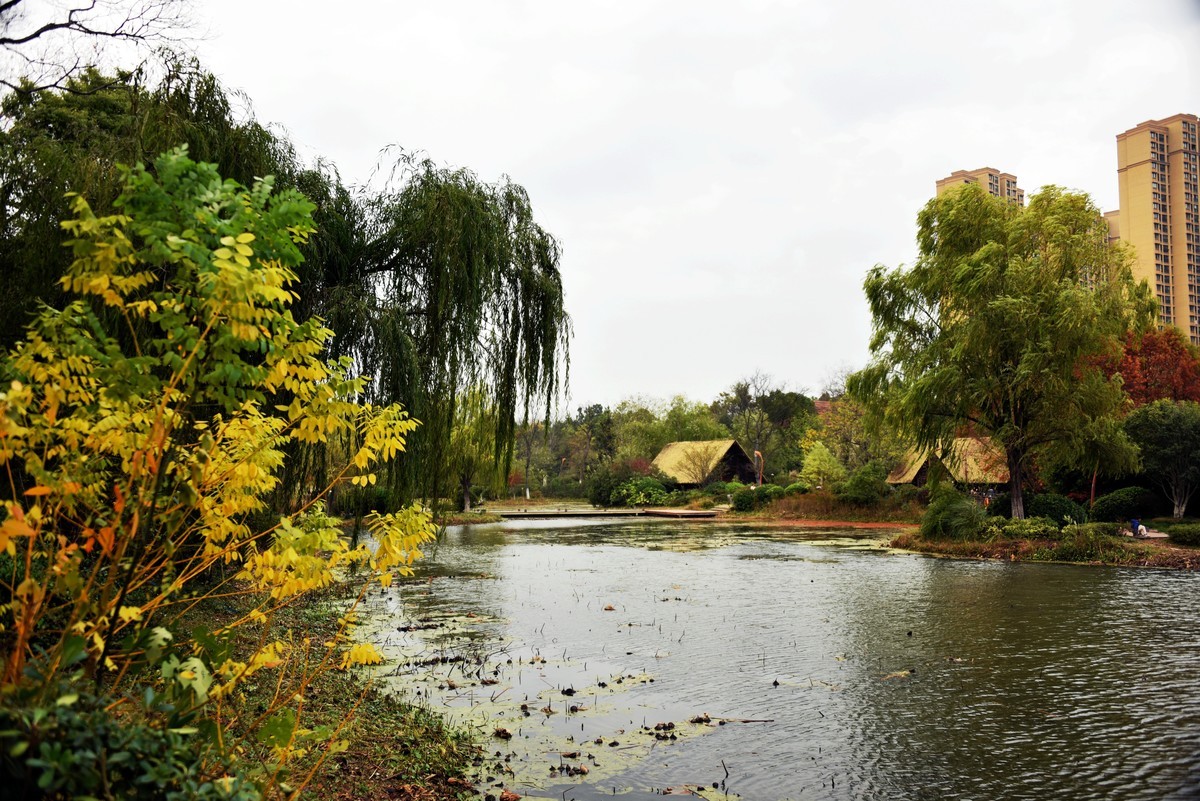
(57,142)
(997,327)
(847,431)
(821,468)
(594,437)
(435,284)
(643,426)
(472,444)
(1168,433)
(767,418)
(460,287)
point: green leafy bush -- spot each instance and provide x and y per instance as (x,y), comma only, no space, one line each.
(993,528)
(641,491)
(952,515)
(796,488)
(74,747)
(749,499)
(745,500)
(1123,504)
(1032,528)
(602,485)
(716,489)
(1185,534)
(1058,508)
(866,486)
(684,497)
(1088,542)
(1092,529)
(769,492)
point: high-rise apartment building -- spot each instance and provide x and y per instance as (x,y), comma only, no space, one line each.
(1160,216)
(998,184)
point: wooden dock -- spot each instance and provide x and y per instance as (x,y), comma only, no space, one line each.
(689,514)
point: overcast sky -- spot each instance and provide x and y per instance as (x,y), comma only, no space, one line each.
(720,175)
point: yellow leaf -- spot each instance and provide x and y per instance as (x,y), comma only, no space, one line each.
(129,614)
(38,490)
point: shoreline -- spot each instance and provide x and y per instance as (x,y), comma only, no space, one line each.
(1133,553)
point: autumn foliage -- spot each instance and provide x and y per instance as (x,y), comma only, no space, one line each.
(141,429)
(1158,365)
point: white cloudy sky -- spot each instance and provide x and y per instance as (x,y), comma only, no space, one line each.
(721,175)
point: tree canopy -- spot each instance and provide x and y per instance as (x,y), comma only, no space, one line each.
(997,327)
(435,283)
(767,418)
(1168,433)
(1159,364)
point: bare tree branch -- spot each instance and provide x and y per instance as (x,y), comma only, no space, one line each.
(44,45)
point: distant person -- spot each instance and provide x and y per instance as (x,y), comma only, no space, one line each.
(1136,528)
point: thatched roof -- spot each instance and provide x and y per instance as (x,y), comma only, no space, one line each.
(679,460)
(969,460)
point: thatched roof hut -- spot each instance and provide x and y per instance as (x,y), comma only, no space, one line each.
(972,461)
(698,462)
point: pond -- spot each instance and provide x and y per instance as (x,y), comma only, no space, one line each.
(641,658)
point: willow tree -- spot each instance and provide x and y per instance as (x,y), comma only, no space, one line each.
(453,285)
(437,283)
(73,140)
(998,327)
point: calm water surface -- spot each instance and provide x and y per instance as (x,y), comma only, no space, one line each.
(876,674)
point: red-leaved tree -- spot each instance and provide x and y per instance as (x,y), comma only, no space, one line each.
(1159,365)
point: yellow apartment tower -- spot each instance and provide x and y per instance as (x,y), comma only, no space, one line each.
(1156,172)
(998,184)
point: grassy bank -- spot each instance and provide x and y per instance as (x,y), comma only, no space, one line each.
(823,506)
(1097,551)
(467,518)
(393,750)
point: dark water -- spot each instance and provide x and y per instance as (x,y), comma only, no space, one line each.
(883,675)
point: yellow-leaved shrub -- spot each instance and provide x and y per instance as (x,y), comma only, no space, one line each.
(141,428)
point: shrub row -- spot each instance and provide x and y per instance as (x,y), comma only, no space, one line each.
(749,499)
(1185,533)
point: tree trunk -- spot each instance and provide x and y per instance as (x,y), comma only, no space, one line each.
(528,458)
(1092,499)
(1015,479)
(1179,490)
(466,495)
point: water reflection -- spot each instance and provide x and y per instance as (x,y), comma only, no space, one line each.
(881,675)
